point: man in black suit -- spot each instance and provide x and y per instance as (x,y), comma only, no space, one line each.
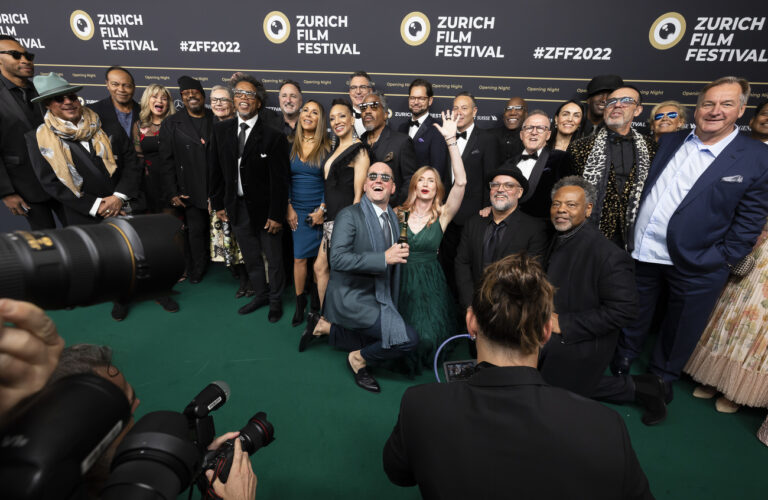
(505,433)
(539,164)
(427,142)
(119,111)
(19,188)
(508,135)
(184,139)
(505,231)
(480,154)
(595,297)
(386,145)
(250,173)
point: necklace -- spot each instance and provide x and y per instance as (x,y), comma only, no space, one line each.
(311,139)
(419,216)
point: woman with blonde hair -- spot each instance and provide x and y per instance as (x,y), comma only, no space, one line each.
(665,117)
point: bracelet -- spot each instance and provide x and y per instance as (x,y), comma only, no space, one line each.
(452,143)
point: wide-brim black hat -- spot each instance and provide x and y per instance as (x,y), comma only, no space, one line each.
(510,169)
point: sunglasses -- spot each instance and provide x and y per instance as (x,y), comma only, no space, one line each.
(672,115)
(384,177)
(372,105)
(17,55)
(624,101)
(60,98)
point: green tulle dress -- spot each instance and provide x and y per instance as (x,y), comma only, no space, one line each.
(425,301)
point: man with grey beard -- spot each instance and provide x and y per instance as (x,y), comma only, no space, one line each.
(503,232)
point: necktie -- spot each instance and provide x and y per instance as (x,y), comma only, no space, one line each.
(356,114)
(461,135)
(532,156)
(241,139)
(490,247)
(386,230)
(413,123)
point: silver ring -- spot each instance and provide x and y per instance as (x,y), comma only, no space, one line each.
(109,211)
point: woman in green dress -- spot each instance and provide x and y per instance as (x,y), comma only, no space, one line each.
(425,300)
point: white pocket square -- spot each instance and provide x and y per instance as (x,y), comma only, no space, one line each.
(263,155)
(733,178)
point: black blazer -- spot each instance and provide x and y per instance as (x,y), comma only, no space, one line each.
(430,148)
(505,433)
(396,150)
(184,158)
(264,171)
(480,157)
(96,181)
(510,143)
(16,174)
(109,123)
(537,200)
(523,234)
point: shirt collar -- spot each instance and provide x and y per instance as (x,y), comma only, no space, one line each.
(469,130)
(421,118)
(10,85)
(716,148)
(251,121)
(378,210)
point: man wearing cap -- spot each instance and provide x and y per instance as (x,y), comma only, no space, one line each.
(20,190)
(598,89)
(616,161)
(505,231)
(184,139)
(74,159)
(119,111)
(508,135)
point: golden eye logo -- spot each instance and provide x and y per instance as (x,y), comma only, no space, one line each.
(277,27)
(82,25)
(415,28)
(667,31)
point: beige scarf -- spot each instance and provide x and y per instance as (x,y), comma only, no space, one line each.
(50,137)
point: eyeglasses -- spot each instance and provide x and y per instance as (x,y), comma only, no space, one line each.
(71,97)
(372,105)
(220,100)
(17,55)
(514,108)
(624,101)
(384,177)
(508,186)
(417,99)
(672,115)
(246,94)
(355,88)
(538,128)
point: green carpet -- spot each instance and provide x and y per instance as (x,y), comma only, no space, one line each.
(329,433)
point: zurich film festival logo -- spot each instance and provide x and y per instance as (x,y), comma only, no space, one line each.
(667,31)
(82,25)
(277,27)
(415,28)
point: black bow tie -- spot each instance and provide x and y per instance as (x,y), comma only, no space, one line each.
(618,139)
(413,123)
(461,135)
(356,114)
(532,156)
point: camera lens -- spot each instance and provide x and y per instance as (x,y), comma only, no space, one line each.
(256,433)
(83,265)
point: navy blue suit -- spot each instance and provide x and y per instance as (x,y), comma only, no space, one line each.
(430,148)
(716,224)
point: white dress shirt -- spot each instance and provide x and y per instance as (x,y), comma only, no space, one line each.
(251,123)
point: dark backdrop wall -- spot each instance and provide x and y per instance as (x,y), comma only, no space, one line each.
(545,52)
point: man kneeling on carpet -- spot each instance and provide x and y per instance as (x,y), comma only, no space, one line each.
(361,299)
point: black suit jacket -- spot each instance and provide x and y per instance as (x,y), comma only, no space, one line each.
(16,174)
(523,234)
(430,148)
(264,171)
(480,157)
(547,171)
(396,150)
(505,433)
(97,183)
(184,158)
(109,123)
(510,143)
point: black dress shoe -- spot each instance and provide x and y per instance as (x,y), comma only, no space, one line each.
(250,292)
(275,312)
(252,306)
(119,311)
(168,304)
(307,337)
(620,366)
(650,393)
(240,292)
(364,379)
(195,279)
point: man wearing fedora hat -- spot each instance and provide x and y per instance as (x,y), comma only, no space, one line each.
(74,159)
(505,231)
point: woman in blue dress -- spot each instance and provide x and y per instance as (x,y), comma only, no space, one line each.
(306,203)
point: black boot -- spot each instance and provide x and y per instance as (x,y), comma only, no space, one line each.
(314,298)
(650,393)
(301,305)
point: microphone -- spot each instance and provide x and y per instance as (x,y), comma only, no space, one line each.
(211,398)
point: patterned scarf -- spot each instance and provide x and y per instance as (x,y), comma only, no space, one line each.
(50,140)
(612,209)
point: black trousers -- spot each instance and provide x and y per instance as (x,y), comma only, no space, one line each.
(40,215)
(253,242)
(198,239)
(368,340)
